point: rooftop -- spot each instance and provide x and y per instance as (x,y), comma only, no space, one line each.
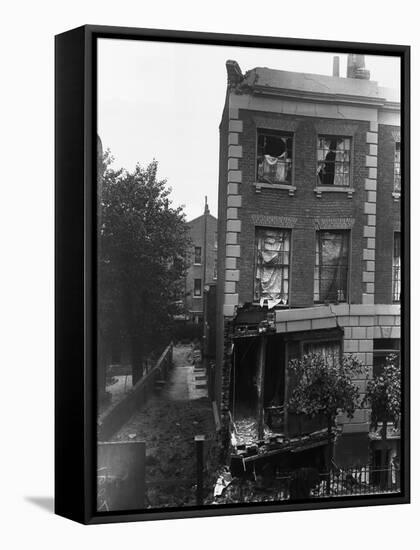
(277,82)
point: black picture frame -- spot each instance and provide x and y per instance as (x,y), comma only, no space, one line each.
(75,270)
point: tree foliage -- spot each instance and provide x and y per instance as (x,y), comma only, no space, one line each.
(383,394)
(325,386)
(142,257)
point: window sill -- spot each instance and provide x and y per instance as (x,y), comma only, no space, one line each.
(317,303)
(278,306)
(261,185)
(396,195)
(333,189)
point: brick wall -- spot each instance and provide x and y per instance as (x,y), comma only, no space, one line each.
(368,210)
(305,206)
(197,271)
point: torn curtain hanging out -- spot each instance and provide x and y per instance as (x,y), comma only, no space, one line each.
(333,161)
(274,158)
(272,266)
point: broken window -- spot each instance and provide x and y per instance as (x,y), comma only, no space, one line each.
(274,157)
(197,254)
(333,161)
(331,266)
(197,287)
(396,269)
(397,167)
(272,263)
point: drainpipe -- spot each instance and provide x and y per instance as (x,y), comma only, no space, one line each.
(206,210)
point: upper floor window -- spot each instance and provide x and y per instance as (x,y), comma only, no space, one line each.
(333,157)
(331,266)
(272,266)
(197,254)
(397,167)
(274,157)
(396,268)
(215,269)
(197,288)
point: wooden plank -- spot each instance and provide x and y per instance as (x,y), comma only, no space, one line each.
(260,383)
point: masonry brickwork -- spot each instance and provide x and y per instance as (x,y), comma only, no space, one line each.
(368,208)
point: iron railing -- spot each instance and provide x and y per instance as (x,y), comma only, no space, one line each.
(307,483)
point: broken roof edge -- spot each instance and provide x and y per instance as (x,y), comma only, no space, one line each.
(264,80)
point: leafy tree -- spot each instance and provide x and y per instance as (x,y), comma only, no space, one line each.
(324,385)
(383,395)
(142,259)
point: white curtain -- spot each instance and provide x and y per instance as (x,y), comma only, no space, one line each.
(272,266)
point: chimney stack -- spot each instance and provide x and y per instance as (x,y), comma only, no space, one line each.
(336,66)
(356,67)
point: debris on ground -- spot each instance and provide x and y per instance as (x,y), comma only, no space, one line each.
(168,427)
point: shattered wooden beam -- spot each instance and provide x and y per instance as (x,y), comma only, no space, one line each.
(260,383)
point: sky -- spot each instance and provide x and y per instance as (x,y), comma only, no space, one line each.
(164,101)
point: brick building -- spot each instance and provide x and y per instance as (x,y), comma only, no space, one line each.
(309,237)
(203,269)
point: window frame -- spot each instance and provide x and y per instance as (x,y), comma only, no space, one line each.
(323,340)
(323,188)
(399,269)
(290,187)
(397,192)
(288,230)
(201,288)
(347,290)
(195,255)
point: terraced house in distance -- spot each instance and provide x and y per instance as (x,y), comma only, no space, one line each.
(308,252)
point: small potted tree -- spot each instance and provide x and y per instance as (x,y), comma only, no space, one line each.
(325,386)
(383,395)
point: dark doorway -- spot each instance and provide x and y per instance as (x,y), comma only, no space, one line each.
(244,399)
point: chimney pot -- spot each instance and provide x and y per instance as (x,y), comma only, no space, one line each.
(356,67)
(336,66)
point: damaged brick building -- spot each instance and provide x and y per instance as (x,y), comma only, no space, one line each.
(308,243)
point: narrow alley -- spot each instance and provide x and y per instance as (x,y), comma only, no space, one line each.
(168,423)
